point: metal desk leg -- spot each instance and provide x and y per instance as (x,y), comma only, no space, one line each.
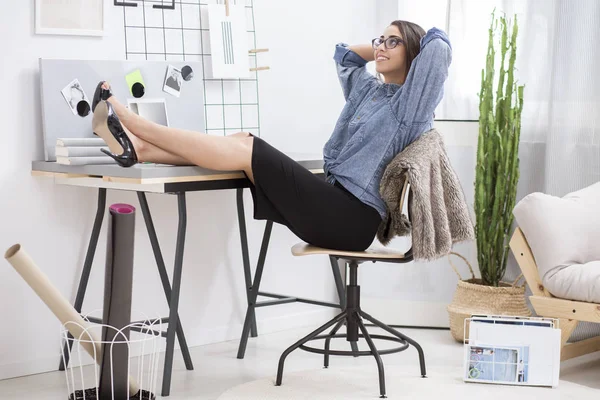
(164,277)
(87,268)
(174,302)
(250,313)
(245,256)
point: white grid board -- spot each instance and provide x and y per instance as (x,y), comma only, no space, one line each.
(182,34)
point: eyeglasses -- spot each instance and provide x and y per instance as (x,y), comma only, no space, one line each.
(390,42)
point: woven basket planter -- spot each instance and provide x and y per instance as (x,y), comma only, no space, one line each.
(471,297)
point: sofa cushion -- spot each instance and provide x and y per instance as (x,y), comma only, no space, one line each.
(564,236)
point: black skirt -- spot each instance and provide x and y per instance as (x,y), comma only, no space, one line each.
(316,211)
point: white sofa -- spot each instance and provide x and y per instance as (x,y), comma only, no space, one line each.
(564,236)
(557,246)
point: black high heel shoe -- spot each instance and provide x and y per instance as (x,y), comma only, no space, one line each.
(106,124)
(100,94)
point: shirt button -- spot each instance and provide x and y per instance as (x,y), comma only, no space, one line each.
(374,99)
(358,118)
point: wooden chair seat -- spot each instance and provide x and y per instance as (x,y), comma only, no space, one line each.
(372,253)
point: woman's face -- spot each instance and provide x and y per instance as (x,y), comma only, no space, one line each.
(390,61)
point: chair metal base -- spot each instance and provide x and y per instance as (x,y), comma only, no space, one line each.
(353,316)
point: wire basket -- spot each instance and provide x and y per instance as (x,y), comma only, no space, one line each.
(99,374)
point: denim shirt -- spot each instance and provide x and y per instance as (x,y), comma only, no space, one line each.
(380,119)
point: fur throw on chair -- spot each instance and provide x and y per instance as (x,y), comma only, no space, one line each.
(439,216)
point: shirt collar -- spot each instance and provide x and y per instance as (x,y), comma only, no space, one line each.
(391,88)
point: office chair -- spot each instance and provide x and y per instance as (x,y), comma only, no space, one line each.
(352,316)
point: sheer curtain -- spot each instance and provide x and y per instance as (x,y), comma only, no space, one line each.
(558,60)
(567,109)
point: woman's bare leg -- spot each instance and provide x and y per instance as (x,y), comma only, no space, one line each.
(147,152)
(223,153)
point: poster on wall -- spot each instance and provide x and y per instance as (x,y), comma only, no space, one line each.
(228,41)
(70,17)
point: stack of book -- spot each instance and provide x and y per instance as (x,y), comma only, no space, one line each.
(81,151)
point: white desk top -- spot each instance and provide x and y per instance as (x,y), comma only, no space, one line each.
(147,177)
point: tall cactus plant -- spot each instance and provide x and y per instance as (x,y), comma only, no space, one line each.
(497,170)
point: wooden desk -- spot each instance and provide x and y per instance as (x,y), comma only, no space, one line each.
(154,178)
(177,180)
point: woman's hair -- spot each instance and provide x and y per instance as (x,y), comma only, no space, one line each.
(412,34)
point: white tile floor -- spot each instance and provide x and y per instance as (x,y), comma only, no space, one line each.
(217,368)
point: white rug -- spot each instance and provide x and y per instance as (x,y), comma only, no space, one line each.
(401,383)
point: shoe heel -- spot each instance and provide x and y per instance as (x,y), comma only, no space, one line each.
(114,157)
(124,161)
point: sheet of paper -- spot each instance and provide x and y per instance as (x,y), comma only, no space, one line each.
(173,81)
(133,78)
(73,94)
(228,41)
(543,343)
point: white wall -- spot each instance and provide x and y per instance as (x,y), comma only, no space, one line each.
(427,14)
(301,95)
(300,100)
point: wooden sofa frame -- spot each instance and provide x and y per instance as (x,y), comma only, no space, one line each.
(569,312)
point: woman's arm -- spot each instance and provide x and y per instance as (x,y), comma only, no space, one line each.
(424,86)
(365,51)
(352,73)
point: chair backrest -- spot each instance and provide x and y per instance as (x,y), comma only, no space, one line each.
(403,195)
(408,255)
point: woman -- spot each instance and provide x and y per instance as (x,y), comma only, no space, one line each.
(380,118)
